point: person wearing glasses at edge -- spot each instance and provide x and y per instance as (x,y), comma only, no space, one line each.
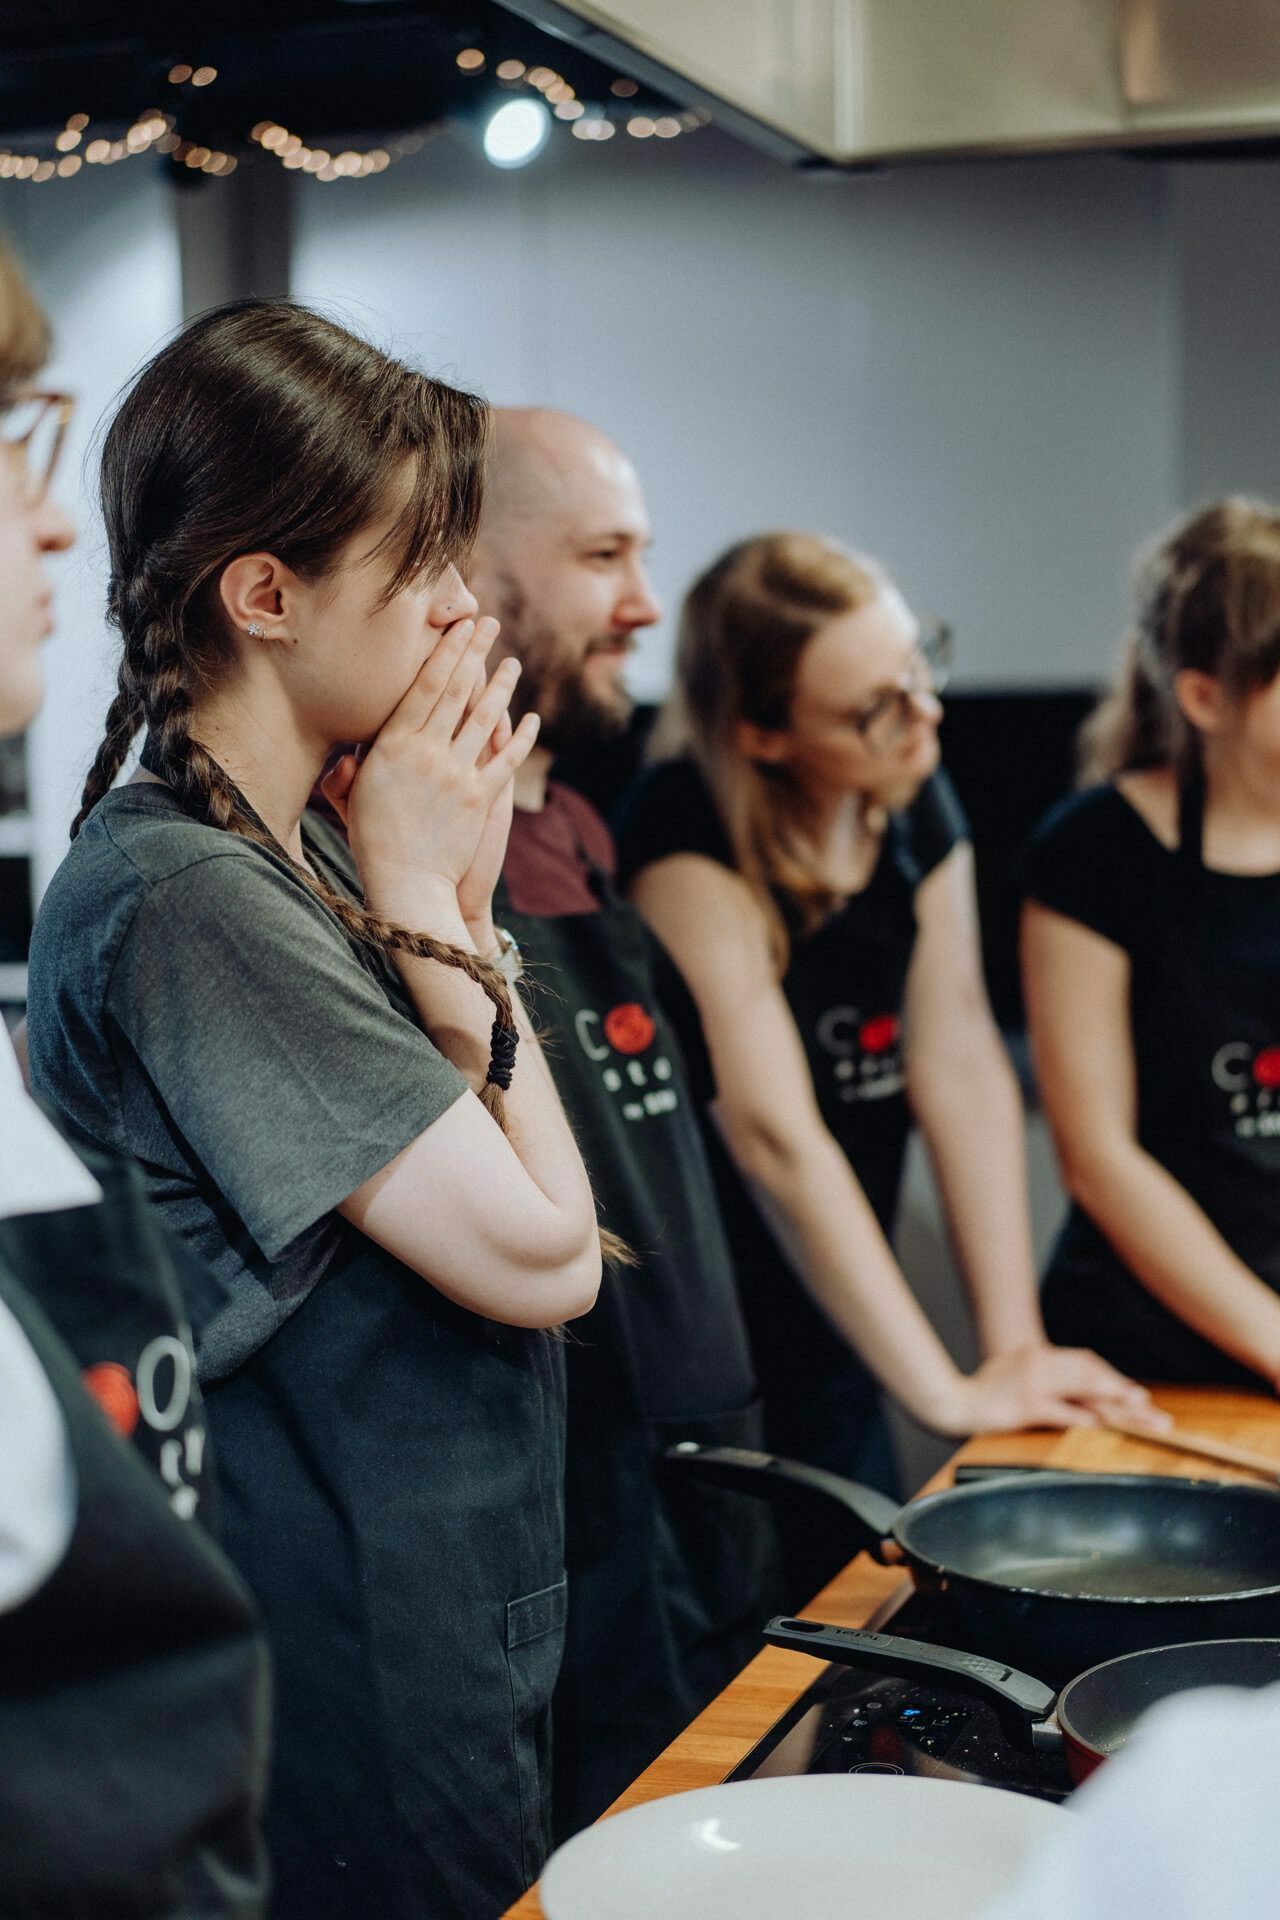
(133,1685)
(806,864)
(1151,958)
(337,1099)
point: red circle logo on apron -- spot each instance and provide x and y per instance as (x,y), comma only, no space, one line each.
(629,1028)
(111,1387)
(878,1035)
(1266,1068)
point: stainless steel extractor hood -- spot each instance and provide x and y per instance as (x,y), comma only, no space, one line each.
(855,81)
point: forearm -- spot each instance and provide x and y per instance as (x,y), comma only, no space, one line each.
(825,1225)
(974,1128)
(458,1016)
(1169,1243)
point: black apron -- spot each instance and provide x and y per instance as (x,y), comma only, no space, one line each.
(1206,1041)
(133,1683)
(668,1583)
(390,1471)
(846,987)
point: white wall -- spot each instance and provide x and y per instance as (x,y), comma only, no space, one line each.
(102,254)
(971,371)
(1226,253)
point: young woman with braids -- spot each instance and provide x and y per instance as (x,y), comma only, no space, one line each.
(299,1042)
(1151,950)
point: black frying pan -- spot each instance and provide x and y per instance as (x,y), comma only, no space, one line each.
(1064,1569)
(1090,1718)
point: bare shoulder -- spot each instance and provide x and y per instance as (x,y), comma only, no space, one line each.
(701,909)
(1153,795)
(699,883)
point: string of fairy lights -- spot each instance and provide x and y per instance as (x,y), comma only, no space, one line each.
(77,145)
(586,123)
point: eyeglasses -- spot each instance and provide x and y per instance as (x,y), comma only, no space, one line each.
(33,426)
(887,720)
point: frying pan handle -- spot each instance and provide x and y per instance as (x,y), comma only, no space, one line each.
(1020,1701)
(788,1481)
(978,1476)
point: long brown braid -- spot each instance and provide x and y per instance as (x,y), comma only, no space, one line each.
(179,502)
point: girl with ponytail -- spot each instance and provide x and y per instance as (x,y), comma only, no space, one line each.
(314,1049)
(1151,955)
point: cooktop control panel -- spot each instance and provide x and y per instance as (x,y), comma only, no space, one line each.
(852,1721)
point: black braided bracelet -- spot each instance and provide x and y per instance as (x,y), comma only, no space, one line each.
(503,1042)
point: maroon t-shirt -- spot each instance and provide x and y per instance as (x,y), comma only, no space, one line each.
(546,868)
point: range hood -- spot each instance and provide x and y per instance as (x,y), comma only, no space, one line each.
(852,82)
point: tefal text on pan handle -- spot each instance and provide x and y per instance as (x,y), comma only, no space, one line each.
(1020,1701)
(791,1483)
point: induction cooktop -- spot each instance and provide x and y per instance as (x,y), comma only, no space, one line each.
(855,1720)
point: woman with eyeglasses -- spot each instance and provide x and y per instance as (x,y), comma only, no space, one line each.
(808,866)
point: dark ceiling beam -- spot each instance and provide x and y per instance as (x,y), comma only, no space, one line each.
(237,243)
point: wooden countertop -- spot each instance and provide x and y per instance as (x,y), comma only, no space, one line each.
(713,1744)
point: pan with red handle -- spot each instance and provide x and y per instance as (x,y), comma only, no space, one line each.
(1087,1720)
(1062,1570)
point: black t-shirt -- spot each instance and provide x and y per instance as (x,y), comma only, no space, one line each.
(1095,860)
(672,811)
(1204,952)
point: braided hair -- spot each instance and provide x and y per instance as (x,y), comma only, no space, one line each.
(263,425)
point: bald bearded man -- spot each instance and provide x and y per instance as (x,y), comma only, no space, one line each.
(666,1584)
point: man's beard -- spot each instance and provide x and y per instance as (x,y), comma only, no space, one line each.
(572,716)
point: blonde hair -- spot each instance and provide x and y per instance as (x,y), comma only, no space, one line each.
(744,625)
(1208,597)
(24,331)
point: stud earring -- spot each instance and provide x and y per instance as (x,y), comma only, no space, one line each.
(254,631)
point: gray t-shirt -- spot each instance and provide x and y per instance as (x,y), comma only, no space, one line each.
(192,1003)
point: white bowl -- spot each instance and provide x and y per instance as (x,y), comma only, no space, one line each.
(825,1847)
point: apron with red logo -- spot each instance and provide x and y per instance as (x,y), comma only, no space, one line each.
(133,1683)
(846,987)
(667,1586)
(1206,1040)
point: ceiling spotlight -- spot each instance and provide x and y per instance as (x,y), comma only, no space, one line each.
(516,133)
